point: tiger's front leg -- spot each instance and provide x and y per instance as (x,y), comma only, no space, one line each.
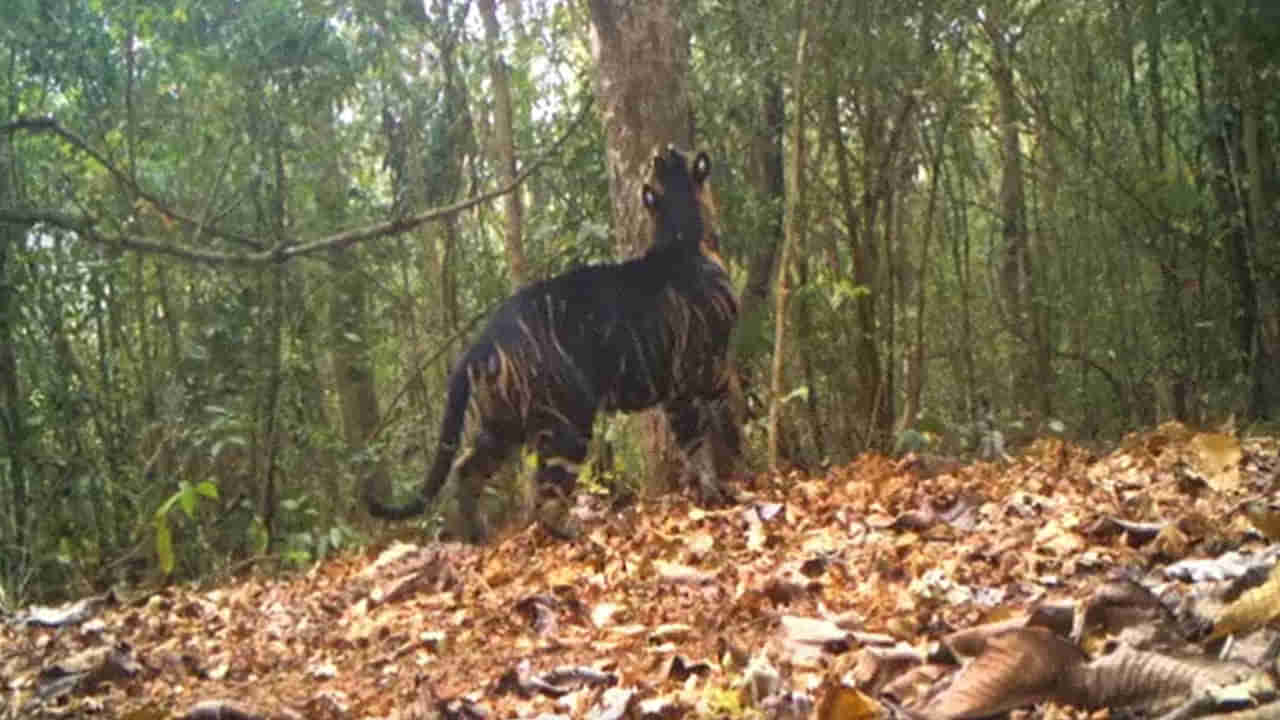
(691,421)
(561,452)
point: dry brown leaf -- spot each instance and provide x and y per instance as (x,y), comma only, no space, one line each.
(1017,668)
(877,667)
(972,641)
(1218,456)
(845,703)
(1251,610)
(677,574)
(1129,678)
(607,614)
(1264,514)
(222,710)
(813,631)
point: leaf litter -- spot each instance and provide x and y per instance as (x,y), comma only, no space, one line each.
(1062,583)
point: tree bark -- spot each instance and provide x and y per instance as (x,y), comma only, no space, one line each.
(1265,378)
(503,150)
(13,406)
(916,368)
(353,368)
(1016,268)
(641,53)
(794,228)
(770,190)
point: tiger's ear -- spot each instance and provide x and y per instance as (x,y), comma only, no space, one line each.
(649,196)
(701,167)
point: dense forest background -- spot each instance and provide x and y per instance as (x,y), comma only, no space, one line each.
(242,242)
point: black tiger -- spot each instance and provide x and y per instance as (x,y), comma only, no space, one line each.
(615,337)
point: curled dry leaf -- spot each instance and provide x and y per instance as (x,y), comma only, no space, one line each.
(1016,668)
(1135,678)
(68,614)
(972,641)
(540,612)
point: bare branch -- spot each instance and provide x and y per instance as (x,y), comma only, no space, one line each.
(49,124)
(85,225)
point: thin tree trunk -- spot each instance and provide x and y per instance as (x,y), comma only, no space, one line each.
(960,254)
(13,420)
(916,368)
(770,189)
(1265,379)
(504,153)
(794,227)
(1228,156)
(349,337)
(804,328)
(268,416)
(1015,271)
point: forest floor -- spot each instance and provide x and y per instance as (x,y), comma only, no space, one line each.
(1060,580)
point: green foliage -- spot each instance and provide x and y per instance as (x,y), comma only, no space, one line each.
(186,498)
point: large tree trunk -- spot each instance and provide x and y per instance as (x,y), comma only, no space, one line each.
(641,53)
(503,151)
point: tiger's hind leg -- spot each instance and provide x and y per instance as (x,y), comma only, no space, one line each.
(491,447)
(562,450)
(692,421)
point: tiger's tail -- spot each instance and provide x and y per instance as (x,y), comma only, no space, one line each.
(450,434)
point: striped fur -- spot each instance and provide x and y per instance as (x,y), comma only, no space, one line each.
(614,337)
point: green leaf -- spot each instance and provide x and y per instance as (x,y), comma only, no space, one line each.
(800,393)
(187,499)
(164,546)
